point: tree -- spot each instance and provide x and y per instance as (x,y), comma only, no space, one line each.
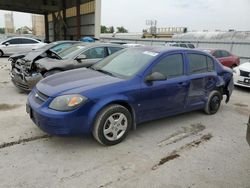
(121,30)
(2,30)
(103,29)
(111,29)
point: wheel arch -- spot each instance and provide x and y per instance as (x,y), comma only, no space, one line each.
(100,106)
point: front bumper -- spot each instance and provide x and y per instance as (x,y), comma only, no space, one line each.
(24,82)
(55,122)
(241,81)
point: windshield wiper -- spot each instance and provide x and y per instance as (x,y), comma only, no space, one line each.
(105,72)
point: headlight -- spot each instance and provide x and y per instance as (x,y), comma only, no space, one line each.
(67,102)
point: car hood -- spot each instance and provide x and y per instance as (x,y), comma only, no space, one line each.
(47,63)
(245,66)
(33,54)
(18,55)
(79,80)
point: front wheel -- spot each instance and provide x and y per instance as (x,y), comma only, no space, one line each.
(112,125)
(213,102)
(1,53)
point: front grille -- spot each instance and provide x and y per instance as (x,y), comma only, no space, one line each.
(39,97)
(244,73)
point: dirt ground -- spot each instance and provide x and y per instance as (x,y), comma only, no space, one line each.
(188,150)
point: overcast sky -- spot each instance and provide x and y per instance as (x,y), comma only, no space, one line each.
(194,14)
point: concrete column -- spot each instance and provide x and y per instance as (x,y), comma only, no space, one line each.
(97,18)
(78,20)
(46,25)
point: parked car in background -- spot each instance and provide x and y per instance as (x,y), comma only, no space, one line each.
(132,45)
(180,44)
(44,51)
(226,58)
(18,44)
(79,55)
(242,75)
(127,88)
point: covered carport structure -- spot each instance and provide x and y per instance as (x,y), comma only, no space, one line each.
(63,19)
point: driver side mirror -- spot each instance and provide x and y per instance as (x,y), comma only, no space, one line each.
(81,57)
(155,76)
(6,43)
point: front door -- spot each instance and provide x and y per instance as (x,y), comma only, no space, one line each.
(167,97)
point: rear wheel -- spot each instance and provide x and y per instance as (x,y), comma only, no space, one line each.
(1,53)
(213,102)
(112,125)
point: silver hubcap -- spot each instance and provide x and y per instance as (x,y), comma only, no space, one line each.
(115,126)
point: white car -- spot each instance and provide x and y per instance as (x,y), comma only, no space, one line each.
(18,44)
(242,75)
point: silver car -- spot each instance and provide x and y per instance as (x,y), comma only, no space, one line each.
(18,44)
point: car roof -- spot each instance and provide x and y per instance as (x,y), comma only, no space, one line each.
(163,49)
(96,44)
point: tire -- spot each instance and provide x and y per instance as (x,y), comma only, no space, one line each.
(213,102)
(49,73)
(108,121)
(1,53)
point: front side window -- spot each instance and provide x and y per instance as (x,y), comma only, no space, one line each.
(61,47)
(191,46)
(217,54)
(95,53)
(200,63)
(14,41)
(170,66)
(225,53)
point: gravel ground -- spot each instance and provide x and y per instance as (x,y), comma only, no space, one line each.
(188,150)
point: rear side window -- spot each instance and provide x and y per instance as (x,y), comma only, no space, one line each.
(170,66)
(200,63)
(112,50)
(28,41)
(210,64)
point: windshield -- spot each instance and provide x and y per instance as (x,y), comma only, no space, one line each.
(125,63)
(71,52)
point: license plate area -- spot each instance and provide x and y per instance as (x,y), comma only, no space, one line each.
(29,111)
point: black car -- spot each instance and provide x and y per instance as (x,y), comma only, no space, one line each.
(26,75)
(39,53)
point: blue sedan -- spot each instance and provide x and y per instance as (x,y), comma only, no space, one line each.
(127,88)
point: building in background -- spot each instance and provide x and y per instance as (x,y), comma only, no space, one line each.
(9,23)
(38,25)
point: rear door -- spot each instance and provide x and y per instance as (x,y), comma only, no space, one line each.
(202,77)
